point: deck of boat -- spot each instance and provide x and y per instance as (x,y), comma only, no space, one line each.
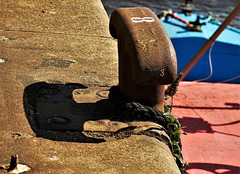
(211,113)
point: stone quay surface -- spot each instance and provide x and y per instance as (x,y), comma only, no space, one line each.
(48,48)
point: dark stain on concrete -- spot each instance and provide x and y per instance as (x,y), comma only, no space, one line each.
(25,80)
(55,62)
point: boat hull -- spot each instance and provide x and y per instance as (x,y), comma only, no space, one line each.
(221,62)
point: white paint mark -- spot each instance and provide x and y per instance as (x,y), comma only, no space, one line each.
(125,167)
(20,169)
(3,38)
(53,158)
(2,60)
(144,19)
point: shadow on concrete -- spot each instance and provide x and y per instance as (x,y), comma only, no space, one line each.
(214,168)
(55,114)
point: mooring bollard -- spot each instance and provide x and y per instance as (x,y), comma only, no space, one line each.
(147,59)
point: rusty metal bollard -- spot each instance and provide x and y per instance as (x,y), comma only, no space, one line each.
(147,59)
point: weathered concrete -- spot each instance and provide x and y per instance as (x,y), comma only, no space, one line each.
(63,42)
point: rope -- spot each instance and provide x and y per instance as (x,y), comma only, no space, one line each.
(210,66)
(135,111)
(228,80)
(173,88)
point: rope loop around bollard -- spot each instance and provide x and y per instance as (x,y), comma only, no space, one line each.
(135,111)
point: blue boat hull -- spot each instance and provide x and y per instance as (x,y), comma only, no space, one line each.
(224,57)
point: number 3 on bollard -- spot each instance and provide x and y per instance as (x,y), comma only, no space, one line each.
(147,60)
(144,19)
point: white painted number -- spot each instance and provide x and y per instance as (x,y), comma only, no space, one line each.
(144,19)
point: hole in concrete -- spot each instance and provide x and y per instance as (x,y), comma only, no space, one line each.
(58,112)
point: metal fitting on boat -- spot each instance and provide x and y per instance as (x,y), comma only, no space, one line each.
(147,59)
